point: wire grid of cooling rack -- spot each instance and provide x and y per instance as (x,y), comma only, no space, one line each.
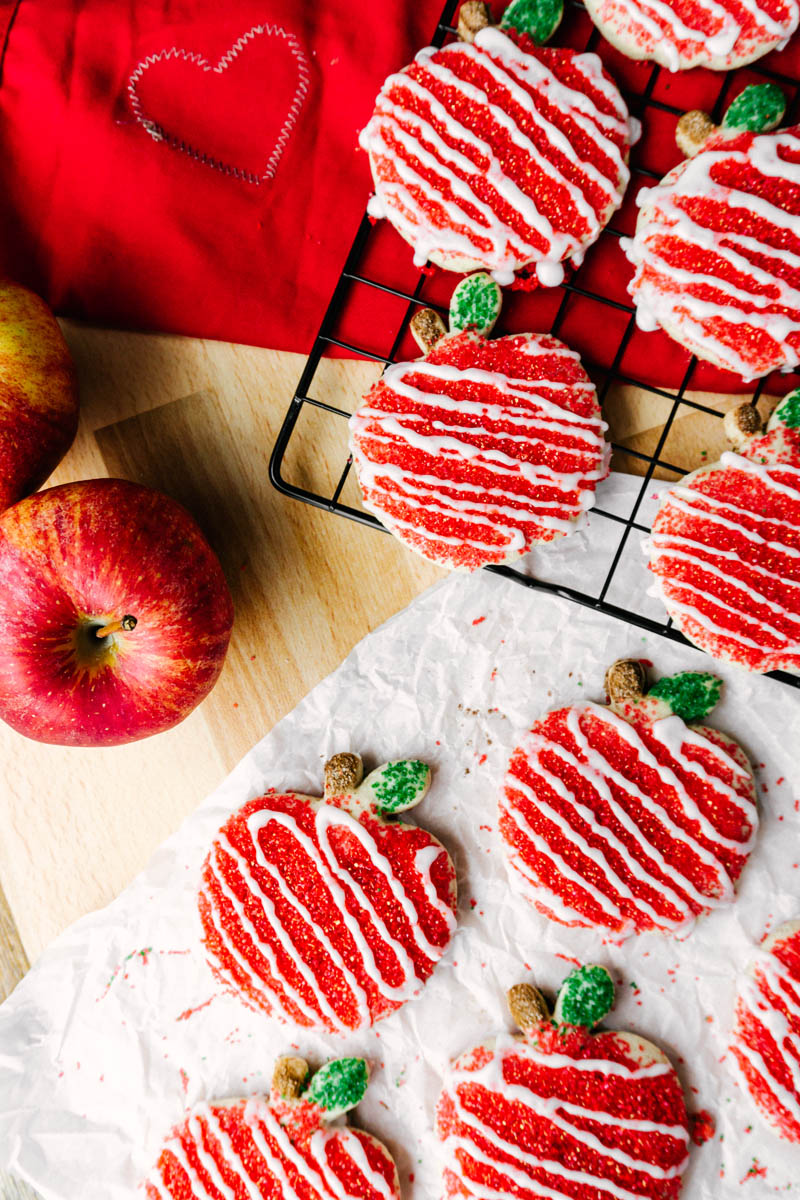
(647,96)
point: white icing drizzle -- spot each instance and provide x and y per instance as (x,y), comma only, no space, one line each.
(491,1078)
(286,942)
(665,294)
(256,1114)
(688,806)
(340,885)
(671,882)
(282,989)
(424,859)
(400,136)
(230,1156)
(350,1143)
(771,979)
(656,27)
(736,598)
(496,515)
(533,747)
(546,901)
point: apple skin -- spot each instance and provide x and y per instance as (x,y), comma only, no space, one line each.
(72,559)
(38,393)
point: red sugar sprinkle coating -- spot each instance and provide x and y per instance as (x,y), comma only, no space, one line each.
(321,917)
(693,33)
(715,253)
(766,1039)
(247,1148)
(481,448)
(499,153)
(626,824)
(726,549)
(702,1126)
(517,1118)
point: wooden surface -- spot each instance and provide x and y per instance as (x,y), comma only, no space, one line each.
(198,420)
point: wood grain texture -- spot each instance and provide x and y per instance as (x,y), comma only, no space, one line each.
(307,587)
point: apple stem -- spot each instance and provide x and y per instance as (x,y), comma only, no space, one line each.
(127,623)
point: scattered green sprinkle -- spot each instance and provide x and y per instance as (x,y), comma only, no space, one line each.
(758,108)
(788,411)
(339,1085)
(399,785)
(691,694)
(586,995)
(538,18)
(476,303)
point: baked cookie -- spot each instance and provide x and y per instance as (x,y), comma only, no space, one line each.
(680,34)
(562,1111)
(766,1040)
(278,1147)
(632,816)
(725,545)
(496,153)
(717,245)
(482,448)
(327,913)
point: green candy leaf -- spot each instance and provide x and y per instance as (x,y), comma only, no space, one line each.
(788,412)
(399,785)
(586,996)
(538,18)
(691,695)
(339,1085)
(758,108)
(476,304)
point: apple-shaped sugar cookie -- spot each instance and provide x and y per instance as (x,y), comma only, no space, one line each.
(495,153)
(38,393)
(766,1040)
(114,614)
(631,816)
(280,1147)
(725,544)
(327,913)
(560,1110)
(717,241)
(680,34)
(483,447)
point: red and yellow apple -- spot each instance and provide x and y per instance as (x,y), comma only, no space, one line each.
(114,614)
(38,393)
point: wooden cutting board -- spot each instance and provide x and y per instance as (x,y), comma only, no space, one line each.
(198,420)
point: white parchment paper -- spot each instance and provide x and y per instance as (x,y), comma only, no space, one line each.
(119,1026)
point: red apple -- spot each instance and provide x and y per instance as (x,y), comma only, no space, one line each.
(38,393)
(114,614)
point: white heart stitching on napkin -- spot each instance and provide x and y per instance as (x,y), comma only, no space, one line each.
(160,135)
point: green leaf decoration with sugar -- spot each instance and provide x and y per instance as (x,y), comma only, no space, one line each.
(787,412)
(538,18)
(339,1086)
(476,304)
(691,694)
(758,108)
(399,785)
(586,996)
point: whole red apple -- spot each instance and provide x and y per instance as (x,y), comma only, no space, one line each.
(114,614)
(38,393)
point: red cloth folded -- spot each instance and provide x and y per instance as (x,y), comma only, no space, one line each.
(191,165)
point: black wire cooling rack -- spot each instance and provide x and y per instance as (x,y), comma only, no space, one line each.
(585,298)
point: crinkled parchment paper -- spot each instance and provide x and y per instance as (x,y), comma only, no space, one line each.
(120,1025)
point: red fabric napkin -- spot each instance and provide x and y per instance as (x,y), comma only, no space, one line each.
(191,165)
